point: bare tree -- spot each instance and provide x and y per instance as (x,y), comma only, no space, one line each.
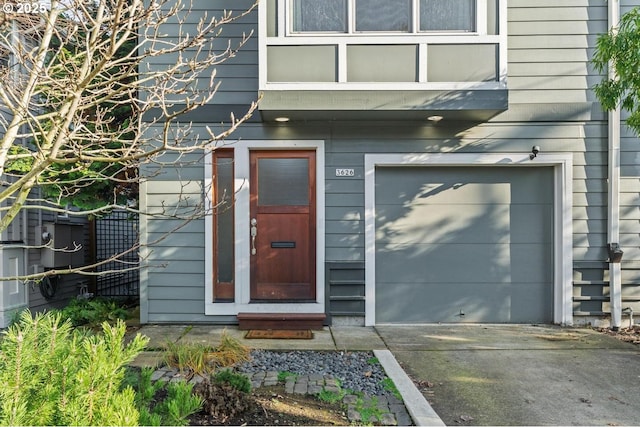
(81,108)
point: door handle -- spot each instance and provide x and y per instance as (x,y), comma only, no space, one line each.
(254,233)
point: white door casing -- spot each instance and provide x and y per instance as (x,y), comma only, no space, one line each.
(242,237)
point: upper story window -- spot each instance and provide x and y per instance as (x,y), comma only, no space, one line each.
(365,16)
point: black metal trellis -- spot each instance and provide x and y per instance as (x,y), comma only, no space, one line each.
(112,236)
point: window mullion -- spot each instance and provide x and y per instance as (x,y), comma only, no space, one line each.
(415,16)
(342,62)
(481,16)
(285,17)
(351,16)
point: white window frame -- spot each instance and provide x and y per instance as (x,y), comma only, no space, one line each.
(562,164)
(421,39)
(286,18)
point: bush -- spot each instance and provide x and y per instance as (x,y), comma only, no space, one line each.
(52,374)
(234,379)
(161,403)
(93,311)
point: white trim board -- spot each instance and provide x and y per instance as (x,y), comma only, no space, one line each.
(242,232)
(563,227)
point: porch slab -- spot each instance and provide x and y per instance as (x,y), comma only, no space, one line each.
(357,338)
(209,334)
(160,335)
(322,339)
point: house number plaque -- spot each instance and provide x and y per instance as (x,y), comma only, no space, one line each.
(345,172)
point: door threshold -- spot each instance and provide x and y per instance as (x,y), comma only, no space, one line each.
(282,301)
(292,321)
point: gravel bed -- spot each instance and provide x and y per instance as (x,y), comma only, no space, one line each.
(355,370)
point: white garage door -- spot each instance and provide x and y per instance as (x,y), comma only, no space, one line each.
(462,244)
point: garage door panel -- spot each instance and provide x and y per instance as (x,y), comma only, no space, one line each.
(469,302)
(432,224)
(459,185)
(451,237)
(453,263)
(532,223)
(473,224)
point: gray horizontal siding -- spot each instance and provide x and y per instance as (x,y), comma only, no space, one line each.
(550,45)
(238,77)
(549,48)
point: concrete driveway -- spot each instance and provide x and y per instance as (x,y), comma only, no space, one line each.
(520,374)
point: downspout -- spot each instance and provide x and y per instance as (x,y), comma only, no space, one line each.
(613,199)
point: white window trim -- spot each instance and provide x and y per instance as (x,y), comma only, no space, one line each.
(563,226)
(242,237)
(420,39)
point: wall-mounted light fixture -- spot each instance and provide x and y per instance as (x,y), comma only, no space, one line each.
(534,152)
(615,253)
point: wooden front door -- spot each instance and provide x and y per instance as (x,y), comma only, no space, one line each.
(283,224)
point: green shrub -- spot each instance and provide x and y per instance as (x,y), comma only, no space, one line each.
(93,311)
(52,374)
(161,403)
(234,379)
(179,404)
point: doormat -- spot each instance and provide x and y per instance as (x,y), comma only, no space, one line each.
(279,334)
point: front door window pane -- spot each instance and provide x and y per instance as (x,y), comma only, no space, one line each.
(283,182)
(447,15)
(383,15)
(319,16)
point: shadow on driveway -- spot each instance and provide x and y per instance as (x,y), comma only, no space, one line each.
(520,374)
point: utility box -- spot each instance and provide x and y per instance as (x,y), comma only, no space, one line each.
(64,242)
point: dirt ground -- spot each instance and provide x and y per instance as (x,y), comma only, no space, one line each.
(272,406)
(631,335)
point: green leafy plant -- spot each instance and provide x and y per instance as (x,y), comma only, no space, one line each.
(141,382)
(331,396)
(52,374)
(92,312)
(179,404)
(369,411)
(234,379)
(389,385)
(283,375)
(162,403)
(617,49)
